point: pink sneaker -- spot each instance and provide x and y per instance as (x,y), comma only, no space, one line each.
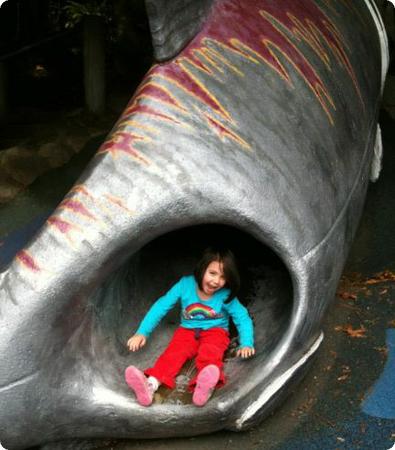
(205,384)
(137,381)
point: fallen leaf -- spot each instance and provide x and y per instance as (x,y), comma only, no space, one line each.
(383,291)
(343,377)
(346,372)
(391,323)
(386,275)
(352,332)
(382,350)
(347,296)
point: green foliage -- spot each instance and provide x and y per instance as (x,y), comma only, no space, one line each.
(76,11)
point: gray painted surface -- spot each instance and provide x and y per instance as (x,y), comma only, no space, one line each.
(261,163)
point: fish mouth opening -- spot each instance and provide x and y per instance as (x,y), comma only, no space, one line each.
(122,301)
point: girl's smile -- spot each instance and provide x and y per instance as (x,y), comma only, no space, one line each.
(213,280)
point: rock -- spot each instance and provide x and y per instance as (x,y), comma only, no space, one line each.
(9,187)
(23,165)
(55,154)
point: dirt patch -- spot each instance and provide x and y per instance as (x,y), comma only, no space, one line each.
(27,151)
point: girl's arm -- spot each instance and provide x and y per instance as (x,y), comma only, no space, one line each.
(245,352)
(136,342)
(155,314)
(245,328)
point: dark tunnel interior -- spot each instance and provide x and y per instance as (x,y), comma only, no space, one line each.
(121,302)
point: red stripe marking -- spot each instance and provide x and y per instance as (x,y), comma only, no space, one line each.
(158,93)
(77,207)
(144,109)
(27,260)
(274,29)
(124,142)
(60,224)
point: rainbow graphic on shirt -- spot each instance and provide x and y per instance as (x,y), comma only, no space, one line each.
(199,311)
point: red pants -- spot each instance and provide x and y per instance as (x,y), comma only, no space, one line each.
(208,346)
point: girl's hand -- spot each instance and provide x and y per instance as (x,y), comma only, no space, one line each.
(136,342)
(245,352)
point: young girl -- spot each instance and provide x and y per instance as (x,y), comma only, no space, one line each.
(208,299)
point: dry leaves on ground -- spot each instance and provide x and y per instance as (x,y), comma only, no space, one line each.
(352,332)
(380,277)
(352,284)
(347,295)
(346,372)
(382,350)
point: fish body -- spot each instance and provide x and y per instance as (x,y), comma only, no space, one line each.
(264,122)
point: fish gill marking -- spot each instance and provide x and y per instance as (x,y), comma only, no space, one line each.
(100,203)
(203,57)
(127,122)
(81,189)
(336,35)
(61,225)
(314,28)
(302,21)
(224,131)
(27,261)
(152,112)
(318,89)
(213,55)
(302,66)
(310,34)
(258,58)
(124,142)
(258,48)
(172,81)
(199,89)
(161,94)
(64,227)
(118,202)
(77,207)
(313,37)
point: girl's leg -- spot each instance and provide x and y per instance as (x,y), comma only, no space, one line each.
(182,347)
(212,346)
(205,384)
(138,382)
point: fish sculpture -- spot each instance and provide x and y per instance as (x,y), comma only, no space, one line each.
(257,125)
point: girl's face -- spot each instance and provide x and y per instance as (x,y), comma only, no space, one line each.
(213,278)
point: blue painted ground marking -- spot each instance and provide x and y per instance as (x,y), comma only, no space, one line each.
(381,401)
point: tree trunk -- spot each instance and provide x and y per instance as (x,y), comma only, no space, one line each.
(3,91)
(94,64)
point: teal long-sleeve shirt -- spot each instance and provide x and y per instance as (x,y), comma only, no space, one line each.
(197,313)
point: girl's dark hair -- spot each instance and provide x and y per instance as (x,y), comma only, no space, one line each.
(229,266)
